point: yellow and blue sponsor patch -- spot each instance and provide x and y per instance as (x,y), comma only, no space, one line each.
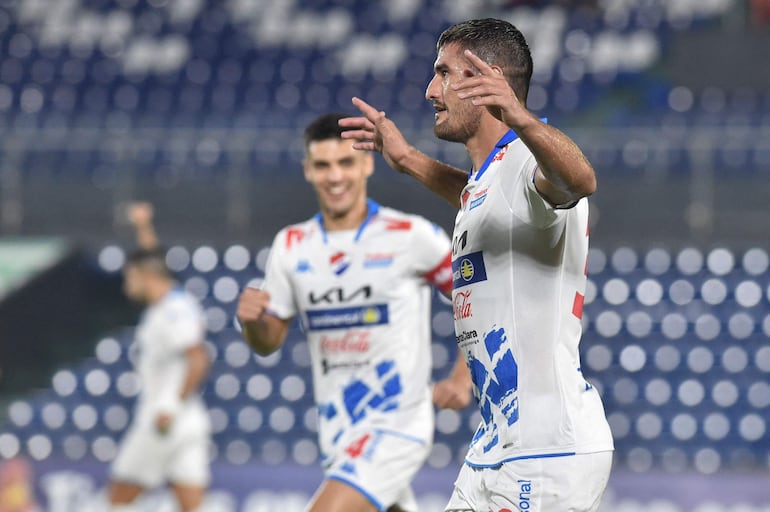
(468,269)
(344,318)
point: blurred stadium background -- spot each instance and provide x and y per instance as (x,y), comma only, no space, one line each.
(198,107)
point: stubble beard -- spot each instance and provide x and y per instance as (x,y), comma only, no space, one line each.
(463,128)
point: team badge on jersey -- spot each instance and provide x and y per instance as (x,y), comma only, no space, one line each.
(339,262)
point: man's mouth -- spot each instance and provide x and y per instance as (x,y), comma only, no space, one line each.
(337,191)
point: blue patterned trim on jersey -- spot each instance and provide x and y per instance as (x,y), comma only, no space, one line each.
(522,457)
(369,496)
(401,435)
(509,137)
(372,207)
(468,269)
(344,318)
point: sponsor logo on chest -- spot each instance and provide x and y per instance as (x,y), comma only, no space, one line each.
(478,198)
(468,269)
(378,260)
(343,318)
(461,304)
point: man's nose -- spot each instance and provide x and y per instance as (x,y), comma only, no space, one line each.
(431,92)
(335,173)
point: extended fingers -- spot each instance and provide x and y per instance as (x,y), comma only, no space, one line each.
(371,113)
(366,134)
(478,62)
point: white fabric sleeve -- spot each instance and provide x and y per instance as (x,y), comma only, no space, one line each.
(525,200)
(277,281)
(184,325)
(432,253)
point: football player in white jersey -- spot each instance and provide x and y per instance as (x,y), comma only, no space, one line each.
(168,439)
(519,259)
(357,275)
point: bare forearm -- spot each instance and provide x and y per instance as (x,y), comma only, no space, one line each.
(198,364)
(442,179)
(146,237)
(560,160)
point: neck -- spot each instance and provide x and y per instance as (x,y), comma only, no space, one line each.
(158,290)
(483,141)
(352,219)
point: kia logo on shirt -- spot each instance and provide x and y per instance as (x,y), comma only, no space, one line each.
(339,295)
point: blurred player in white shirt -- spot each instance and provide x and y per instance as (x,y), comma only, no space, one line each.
(167,442)
(358,276)
(519,258)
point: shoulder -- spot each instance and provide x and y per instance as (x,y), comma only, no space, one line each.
(294,235)
(181,304)
(517,154)
(396,220)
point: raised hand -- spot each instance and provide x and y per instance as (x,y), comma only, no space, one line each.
(252,304)
(489,88)
(140,213)
(373,131)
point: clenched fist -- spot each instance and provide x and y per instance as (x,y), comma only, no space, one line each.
(252,305)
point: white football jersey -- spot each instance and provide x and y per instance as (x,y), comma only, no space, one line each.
(167,329)
(519,269)
(363,298)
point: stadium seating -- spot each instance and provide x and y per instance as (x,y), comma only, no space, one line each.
(201,86)
(676,343)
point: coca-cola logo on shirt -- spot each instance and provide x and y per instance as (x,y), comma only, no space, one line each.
(352,341)
(461,304)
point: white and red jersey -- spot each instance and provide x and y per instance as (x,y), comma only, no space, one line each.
(519,269)
(363,297)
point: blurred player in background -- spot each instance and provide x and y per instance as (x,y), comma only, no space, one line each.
(169,436)
(520,249)
(357,274)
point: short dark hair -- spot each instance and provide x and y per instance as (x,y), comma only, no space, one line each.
(324,127)
(153,260)
(496,42)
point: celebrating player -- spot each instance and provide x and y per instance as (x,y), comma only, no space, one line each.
(519,258)
(168,439)
(357,274)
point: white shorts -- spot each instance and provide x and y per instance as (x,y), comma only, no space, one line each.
(380,465)
(150,459)
(573,483)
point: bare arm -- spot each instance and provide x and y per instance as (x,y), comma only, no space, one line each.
(564,175)
(373,131)
(198,364)
(264,332)
(140,216)
(454,392)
